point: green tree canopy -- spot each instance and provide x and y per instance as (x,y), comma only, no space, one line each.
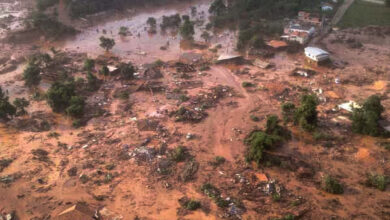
(365,120)
(306,114)
(217,8)
(187,30)
(76,106)
(106,43)
(31,75)
(6,108)
(59,95)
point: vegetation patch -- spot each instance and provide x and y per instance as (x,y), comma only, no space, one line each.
(332,185)
(363,13)
(377,181)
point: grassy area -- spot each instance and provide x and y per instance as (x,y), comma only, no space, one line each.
(363,13)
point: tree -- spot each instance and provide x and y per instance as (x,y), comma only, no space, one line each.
(217,8)
(388,3)
(127,70)
(206,36)
(187,30)
(20,104)
(89,64)
(106,43)
(76,106)
(365,120)
(59,95)
(306,114)
(152,24)
(6,108)
(31,75)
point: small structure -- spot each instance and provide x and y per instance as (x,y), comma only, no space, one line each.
(309,18)
(80,211)
(229,57)
(113,69)
(349,106)
(302,72)
(261,64)
(316,54)
(277,44)
(327,7)
(300,37)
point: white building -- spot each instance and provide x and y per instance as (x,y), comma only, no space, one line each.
(316,54)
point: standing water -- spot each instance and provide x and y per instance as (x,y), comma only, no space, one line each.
(140,46)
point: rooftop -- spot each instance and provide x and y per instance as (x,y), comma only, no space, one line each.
(315,51)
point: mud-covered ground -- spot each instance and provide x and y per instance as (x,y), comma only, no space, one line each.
(121,162)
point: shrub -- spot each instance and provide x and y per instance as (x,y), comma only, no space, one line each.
(31,75)
(192,205)
(217,8)
(127,70)
(187,30)
(178,154)
(20,104)
(273,127)
(247,84)
(76,106)
(49,26)
(93,83)
(306,114)
(218,160)
(123,31)
(365,120)
(44,4)
(288,110)
(378,181)
(89,64)
(59,95)
(258,142)
(6,108)
(77,123)
(210,190)
(331,185)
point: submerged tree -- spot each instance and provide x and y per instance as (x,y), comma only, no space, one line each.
(187,30)
(106,43)
(76,106)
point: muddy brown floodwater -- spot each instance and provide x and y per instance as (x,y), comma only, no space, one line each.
(141,46)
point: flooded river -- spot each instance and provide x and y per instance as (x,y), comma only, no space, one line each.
(141,46)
